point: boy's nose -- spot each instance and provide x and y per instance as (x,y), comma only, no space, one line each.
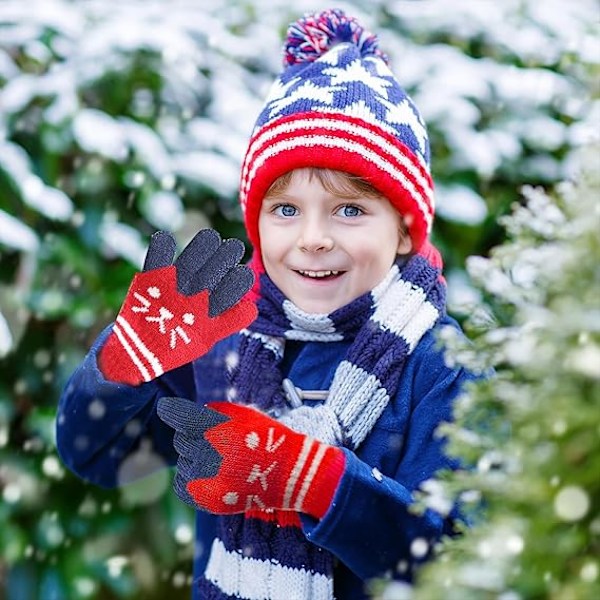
(315,238)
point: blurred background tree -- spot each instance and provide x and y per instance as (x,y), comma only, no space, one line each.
(117,119)
(530,435)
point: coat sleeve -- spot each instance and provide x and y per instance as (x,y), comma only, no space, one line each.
(370,525)
(99,422)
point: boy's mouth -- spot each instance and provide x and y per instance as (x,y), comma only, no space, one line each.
(321,275)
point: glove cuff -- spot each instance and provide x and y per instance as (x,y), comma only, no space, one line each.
(321,481)
(116,365)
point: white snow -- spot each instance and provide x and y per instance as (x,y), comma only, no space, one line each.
(6,343)
(123,240)
(164,210)
(450,88)
(461,204)
(8,69)
(572,503)
(216,171)
(15,234)
(97,132)
(49,201)
(436,498)
(184,534)
(462,296)
(148,147)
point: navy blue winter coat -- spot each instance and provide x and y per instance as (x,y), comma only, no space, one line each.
(369,528)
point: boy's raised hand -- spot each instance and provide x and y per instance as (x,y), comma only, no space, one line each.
(233,459)
(175,311)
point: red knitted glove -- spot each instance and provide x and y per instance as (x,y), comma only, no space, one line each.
(234,459)
(175,313)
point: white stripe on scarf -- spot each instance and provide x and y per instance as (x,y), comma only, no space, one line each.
(250,578)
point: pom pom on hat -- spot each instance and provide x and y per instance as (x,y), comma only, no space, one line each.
(315,34)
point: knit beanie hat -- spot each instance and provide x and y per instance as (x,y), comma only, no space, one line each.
(337,105)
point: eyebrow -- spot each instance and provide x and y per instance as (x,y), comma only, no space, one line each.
(283,197)
(278,198)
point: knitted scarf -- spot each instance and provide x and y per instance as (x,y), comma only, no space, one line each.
(267,556)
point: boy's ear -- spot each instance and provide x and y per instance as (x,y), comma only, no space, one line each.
(405,243)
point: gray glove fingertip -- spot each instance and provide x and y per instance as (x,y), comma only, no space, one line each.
(161,251)
(227,256)
(230,290)
(234,248)
(178,413)
(199,249)
(194,256)
(188,417)
(184,444)
(180,488)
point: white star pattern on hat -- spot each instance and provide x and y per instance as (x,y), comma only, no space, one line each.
(332,56)
(355,72)
(279,89)
(380,67)
(320,93)
(403,114)
(363,111)
(307,91)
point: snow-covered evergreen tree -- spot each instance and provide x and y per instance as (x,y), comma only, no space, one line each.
(530,434)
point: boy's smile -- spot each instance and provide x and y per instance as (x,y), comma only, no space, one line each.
(323,251)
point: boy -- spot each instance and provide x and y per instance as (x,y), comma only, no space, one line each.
(303,479)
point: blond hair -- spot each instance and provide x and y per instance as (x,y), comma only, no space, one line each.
(336,183)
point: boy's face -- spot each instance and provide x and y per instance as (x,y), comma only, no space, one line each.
(323,251)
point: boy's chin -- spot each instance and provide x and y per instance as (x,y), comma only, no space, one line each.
(317,306)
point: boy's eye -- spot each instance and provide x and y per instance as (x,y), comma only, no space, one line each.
(349,210)
(285,210)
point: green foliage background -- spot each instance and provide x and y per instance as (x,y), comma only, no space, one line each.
(530,435)
(117,119)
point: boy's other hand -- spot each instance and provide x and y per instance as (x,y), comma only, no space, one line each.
(235,459)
